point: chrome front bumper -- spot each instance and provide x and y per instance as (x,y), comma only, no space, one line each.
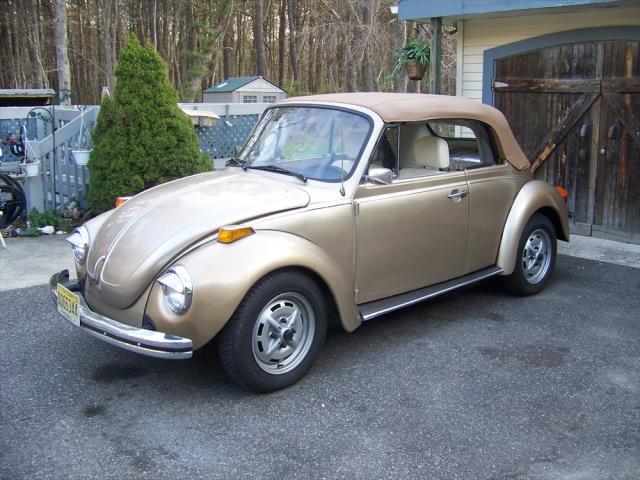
(137,340)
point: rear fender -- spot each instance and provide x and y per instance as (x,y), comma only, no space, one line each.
(534,196)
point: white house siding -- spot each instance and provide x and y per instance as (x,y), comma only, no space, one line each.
(260,89)
(217,97)
(259,85)
(483,33)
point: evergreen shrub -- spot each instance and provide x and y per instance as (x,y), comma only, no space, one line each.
(141,137)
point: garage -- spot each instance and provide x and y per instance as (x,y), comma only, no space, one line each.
(565,74)
(574,108)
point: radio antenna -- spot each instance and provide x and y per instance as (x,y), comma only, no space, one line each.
(342,191)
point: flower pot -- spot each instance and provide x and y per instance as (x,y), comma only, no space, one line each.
(30,169)
(81,157)
(414,70)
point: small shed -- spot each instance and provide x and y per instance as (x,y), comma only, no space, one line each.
(26,97)
(566,76)
(243,90)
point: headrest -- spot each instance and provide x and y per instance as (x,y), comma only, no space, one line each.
(410,133)
(431,152)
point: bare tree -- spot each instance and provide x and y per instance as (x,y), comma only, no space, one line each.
(39,77)
(366,30)
(282,39)
(108,27)
(308,46)
(258,36)
(400,85)
(293,53)
(60,41)
(227,49)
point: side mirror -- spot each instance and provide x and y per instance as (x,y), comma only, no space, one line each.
(379,176)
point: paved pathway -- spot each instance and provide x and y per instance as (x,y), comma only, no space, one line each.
(29,262)
(474,385)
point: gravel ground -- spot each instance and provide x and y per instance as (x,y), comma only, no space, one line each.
(475,385)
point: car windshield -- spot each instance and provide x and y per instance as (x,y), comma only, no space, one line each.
(310,142)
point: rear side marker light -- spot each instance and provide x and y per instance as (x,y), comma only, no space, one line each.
(563,193)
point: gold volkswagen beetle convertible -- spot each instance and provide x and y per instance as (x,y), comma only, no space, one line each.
(341,205)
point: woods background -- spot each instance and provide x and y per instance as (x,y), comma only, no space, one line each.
(304,46)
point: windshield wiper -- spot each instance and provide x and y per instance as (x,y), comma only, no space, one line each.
(234,162)
(275,169)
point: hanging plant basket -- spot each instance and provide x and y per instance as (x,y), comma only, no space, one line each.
(30,169)
(81,157)
(415,70)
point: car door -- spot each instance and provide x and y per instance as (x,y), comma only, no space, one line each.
(493,184)
(410,233)
(492,189)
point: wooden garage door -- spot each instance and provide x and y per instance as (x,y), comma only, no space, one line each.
(575,110)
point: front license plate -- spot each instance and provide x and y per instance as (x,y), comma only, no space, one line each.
(68,304)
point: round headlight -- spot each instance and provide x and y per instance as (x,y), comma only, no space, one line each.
(79,239)
(177,289)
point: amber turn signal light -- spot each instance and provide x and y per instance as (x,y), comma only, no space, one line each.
(563,193)
(121,200)
(232,233)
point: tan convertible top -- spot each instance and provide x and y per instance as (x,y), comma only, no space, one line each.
(415,107)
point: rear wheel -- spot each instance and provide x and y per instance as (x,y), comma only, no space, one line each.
(276,333)
(535,259)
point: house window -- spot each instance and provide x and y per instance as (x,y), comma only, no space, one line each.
(268,98)
(249,99)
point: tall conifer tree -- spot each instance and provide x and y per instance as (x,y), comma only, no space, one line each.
(141,137)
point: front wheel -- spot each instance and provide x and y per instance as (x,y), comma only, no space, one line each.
(276,333)
(535,259)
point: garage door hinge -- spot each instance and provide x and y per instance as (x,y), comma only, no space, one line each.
(356,208)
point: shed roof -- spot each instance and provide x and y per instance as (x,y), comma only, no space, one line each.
(26,96)
(416,107)
(232,84)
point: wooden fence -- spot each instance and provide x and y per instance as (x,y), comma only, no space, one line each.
(60,180)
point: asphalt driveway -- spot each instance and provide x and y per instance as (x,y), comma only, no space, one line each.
(475,385)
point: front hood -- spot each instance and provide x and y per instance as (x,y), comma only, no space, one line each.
(144,234)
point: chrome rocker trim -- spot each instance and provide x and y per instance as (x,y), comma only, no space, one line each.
(380,307)
(133,339)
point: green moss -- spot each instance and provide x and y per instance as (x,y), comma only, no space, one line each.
(141,137)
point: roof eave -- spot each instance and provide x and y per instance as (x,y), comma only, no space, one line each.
(417,10)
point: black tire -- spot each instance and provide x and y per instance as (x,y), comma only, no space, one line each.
(536,257)
(250,335)
(13,203)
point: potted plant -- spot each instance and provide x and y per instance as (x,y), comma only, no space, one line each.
(30,166)
(414,58)
(82,146)
(81,155)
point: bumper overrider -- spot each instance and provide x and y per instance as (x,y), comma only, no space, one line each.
(137,340)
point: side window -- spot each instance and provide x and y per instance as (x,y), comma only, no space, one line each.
(386,152)
(249,99)
(470,143)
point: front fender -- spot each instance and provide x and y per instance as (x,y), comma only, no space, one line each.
(535,195)
(222,274)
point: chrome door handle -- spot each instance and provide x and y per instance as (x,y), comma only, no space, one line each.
(458,194)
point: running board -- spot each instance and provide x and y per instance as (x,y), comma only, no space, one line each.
(380,307)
